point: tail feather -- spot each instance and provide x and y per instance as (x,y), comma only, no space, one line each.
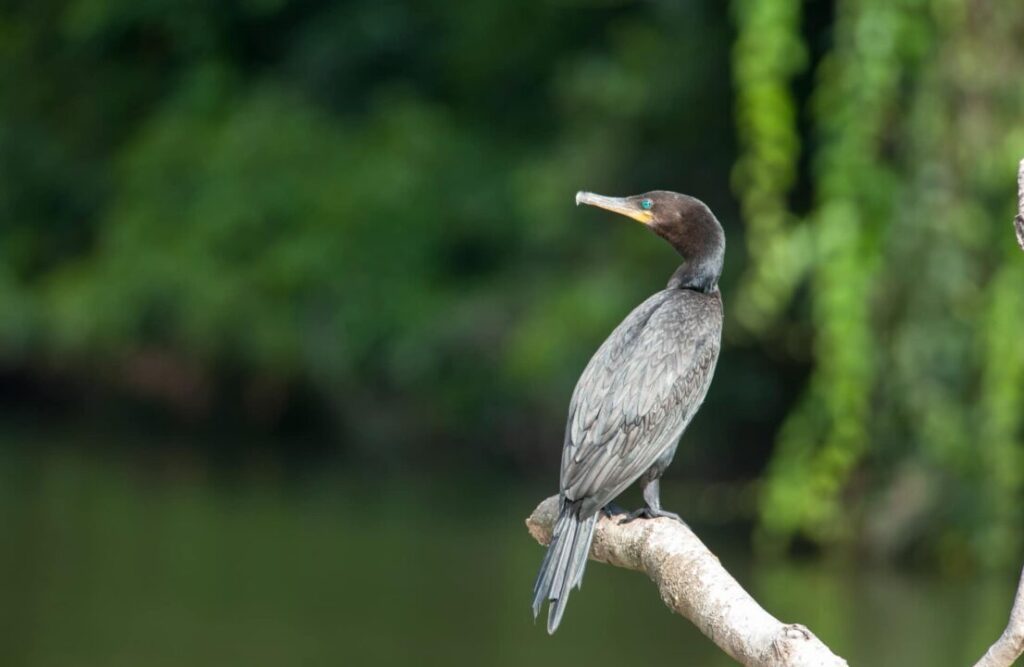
(543,583)
(564,563)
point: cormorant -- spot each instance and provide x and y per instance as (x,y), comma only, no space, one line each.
(640,389)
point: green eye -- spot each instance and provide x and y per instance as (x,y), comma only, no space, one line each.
(646,204)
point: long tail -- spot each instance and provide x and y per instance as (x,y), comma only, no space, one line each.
(563,563)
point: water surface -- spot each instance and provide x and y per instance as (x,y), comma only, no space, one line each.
(106,564)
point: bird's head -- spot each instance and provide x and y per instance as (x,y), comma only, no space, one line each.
(685,222)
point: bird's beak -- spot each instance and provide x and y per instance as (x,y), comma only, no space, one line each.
(619,205)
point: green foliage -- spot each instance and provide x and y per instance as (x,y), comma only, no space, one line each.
(372,200)
(914,284)
(767,54)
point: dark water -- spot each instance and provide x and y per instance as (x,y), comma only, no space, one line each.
(108,564)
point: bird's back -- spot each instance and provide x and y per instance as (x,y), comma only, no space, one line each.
(638,393)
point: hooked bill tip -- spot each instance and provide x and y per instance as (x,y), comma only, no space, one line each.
(579,197)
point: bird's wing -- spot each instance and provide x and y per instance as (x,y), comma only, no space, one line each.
(636,396)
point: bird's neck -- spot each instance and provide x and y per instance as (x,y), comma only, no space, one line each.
(702,266)
(696,276)
(703,251)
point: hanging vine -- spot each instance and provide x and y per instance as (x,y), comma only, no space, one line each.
(916,304)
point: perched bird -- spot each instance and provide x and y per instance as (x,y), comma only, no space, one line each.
(639,391)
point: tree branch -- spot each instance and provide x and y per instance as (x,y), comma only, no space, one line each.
(1010,644)
(694,584)
(1018,222)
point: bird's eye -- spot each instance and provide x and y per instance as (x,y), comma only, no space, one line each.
(646,204)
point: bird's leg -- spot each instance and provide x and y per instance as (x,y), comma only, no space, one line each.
(652,498)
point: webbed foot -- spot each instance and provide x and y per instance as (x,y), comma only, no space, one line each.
(612,509)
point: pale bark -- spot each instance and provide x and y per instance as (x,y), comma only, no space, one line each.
(694,584)
(1018,222)
(1010,644)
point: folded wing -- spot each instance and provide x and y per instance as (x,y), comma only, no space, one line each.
(638,393)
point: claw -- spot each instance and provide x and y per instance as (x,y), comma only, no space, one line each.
(649,513)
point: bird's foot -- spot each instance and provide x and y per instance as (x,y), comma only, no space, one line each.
(612,509)
(651,513)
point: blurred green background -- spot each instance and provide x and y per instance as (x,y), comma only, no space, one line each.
(294,296)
